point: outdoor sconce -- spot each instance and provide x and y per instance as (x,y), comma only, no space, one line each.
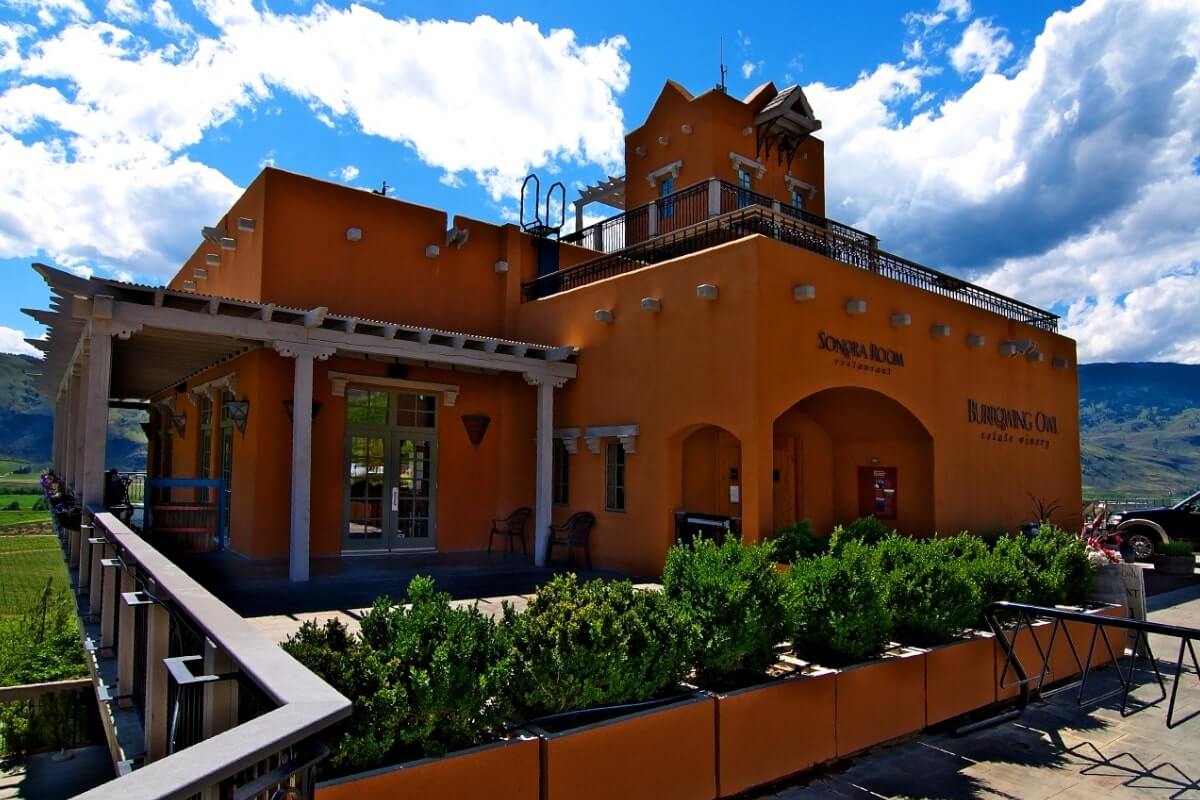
(179,422)
(353,234)
(707,291)
(476,425)
(639,150)
(199,272)
(212,259)
(685,128)
(236,412)
(939,330)
(228,243)
(432,251)
(901,320)
(663,140)
(976,340)
(856,307)
(246,224)
(501,267)
(603,315)
(804,292)
(1060,363)
(290,406)
(652,304)
(1035,356)
(189,286)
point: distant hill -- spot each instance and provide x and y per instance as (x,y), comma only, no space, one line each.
(26,424)
(1140,429)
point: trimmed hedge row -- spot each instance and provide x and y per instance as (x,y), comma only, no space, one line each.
(431,678)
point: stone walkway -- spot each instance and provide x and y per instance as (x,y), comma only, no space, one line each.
(1054,749)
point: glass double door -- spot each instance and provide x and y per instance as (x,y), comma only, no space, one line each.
(391,490)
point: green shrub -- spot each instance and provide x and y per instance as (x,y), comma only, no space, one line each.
(930,592)
(1000,571)
(42,644)
(837,607)
(797,541)
(1175,548)
(734,595)
(1062,573)
(867,530)
(600,643)
(424,680)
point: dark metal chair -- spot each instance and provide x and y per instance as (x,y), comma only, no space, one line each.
(512,526)
(571,534)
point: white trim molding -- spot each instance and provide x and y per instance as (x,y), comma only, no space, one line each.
(626,434)
(740,161)
(569,437)
(671,169)
(340,380)
(227,381)
(804,186)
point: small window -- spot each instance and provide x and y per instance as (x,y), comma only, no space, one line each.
(666,188)
(614,477)
(561,469)
(416,410)
(797,199)
(364,405)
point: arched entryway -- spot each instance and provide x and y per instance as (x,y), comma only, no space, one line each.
(711,472)
(848,452)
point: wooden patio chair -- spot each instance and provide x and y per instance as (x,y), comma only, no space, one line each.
(573,533)
(512,526)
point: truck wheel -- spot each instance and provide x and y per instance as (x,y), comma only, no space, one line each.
(1141,541)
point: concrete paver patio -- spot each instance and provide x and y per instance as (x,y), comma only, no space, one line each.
(1054,750)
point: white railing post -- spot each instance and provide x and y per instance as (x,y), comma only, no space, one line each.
(110,603)
(714,197)
(544,464)
(652,222)
(126,639)
(95,427)
(220,701)
(95,574)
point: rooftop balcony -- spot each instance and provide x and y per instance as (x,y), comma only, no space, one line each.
(714,212)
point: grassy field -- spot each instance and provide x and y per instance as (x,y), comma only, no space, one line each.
(25,515)
(27,562)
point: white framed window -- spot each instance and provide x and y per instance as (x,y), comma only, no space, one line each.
(614,476)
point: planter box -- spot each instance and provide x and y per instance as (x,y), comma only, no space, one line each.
(773,730)
(508,770)
(960,677)
(1064,665)
(879,701)
(1175,565)
(665,753)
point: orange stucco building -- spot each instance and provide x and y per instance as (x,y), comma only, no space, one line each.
(717,347)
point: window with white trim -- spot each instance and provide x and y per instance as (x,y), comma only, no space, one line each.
(666,188)
(614,476)
(560,467)
(745,186)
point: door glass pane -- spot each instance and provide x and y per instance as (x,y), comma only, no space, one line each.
(366,481)
(416,410)
(415,489)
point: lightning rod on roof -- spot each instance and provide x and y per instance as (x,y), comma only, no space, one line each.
(724,69)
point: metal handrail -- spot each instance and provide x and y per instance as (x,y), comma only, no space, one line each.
(306,705)
(629,241)
(1026,615)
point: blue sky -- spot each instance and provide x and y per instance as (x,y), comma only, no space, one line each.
(1047,150)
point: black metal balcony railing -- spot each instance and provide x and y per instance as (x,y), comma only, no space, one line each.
(688,221)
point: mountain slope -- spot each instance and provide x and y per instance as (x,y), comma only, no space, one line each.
(1140,429)
(27,426)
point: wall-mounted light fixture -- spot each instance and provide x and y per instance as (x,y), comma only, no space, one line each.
(236,411)
(476,425)
(603,315)
(901,320)
(652,304)
(228,243)
(707,291)
(212,259)
(354,234)
(685,128)
(976,340)
(940,331)
(856,307)
(501,267)
(804,292)
(432,251)
(179,423)
(246,224)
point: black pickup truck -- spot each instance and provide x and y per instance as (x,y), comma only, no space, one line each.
(1141,529)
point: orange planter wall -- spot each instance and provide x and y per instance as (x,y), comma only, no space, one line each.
(1031,660)
(662,754)
(879,701)
(959,677)
(768,732)
(502,771)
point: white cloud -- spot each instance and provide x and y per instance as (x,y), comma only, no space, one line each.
(1067,183)
(982,49)
(346,174)
(13,341)
(48,12)
(961,9)
(750,67)
(96,114)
